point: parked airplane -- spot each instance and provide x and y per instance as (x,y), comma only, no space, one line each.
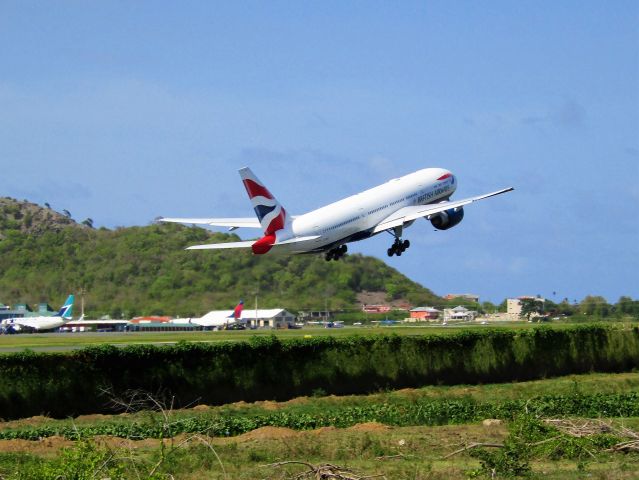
(221,318)
(389,207)
(328,323)
(18,324)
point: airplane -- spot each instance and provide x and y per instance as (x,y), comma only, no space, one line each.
(386,322)
(17,324)
(328,323)
(390,207)
(222,318)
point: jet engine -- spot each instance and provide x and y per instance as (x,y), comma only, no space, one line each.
(447,219)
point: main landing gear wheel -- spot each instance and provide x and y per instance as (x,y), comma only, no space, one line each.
(398,247)
(336,253)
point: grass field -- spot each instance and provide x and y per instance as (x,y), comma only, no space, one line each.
(69,341)
(397,452)
(404,453)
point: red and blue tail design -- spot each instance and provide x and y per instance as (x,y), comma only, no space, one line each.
(269,211)
(237,311)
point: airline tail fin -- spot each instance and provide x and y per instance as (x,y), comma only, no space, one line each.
(269,211)
(237,311)
(67,309)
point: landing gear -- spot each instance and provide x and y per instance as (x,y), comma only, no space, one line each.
(398,247)
(336,253)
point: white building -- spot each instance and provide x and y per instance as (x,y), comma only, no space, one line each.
(261,318)
(459,313)
(269,318)
(513,305)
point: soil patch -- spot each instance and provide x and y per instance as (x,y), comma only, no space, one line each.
(25,422)
(268,433)
(369,427)
(39,447)
(322,430)
(201,408)
(93,417)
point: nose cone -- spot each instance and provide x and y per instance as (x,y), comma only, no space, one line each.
(448,179)
(446,174)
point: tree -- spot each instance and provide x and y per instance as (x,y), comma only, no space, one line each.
(627,306)
(503,306)
(88,222)
(594,305)
(66,213)
(530,306)
(488,307)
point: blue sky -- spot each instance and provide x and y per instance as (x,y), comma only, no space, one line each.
(124,111)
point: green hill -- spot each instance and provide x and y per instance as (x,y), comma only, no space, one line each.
(144,270)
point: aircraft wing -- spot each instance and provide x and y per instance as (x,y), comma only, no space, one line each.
(248,244)
(407,214)
(233,223)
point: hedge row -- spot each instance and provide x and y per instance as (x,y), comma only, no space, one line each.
(84,381)
(422,412)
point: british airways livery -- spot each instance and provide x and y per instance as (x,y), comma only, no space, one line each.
(389,207)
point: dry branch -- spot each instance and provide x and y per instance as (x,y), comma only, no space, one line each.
(474,445)
(326,471)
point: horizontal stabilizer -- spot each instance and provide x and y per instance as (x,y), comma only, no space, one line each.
(216,222)
(217,246)
(249,243)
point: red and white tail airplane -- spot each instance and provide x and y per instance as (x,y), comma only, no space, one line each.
(389,207)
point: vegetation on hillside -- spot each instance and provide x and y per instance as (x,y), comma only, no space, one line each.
(145,270)
(45,255)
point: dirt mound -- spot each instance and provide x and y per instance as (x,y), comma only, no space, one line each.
(322,430)
(369,427)
(267,405)
(201,408)
(25,422)
(44,446)
(272,433)
(93,417)
(271,404)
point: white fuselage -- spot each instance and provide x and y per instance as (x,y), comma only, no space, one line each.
(215,319)
(357,215)
(35,323)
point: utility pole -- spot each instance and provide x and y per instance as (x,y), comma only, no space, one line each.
(82,292)
(257,291)
(326,308)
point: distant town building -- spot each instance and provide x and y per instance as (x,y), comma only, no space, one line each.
(162,327)
(376,308)
(315,315)
(471,297)
(151,319)
(424,313)
(513,305)
(44,310)
(459,313)
(269,318)
(20,310)
(102,325)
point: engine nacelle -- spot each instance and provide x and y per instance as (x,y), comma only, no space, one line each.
(447,219)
